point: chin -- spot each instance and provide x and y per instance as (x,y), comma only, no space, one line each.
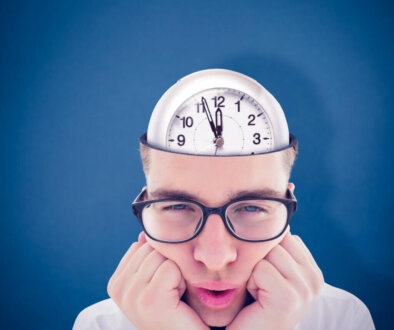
(218,319)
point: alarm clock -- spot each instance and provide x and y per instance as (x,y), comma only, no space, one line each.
(218,112)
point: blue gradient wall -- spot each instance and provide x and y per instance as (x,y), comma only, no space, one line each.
(79,80)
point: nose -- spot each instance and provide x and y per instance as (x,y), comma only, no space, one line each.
(215,247)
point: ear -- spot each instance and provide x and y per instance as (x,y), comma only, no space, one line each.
(291,186)
(144,198)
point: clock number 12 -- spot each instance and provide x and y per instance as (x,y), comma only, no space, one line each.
(218,101)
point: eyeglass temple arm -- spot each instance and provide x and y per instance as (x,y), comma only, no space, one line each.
(292,197)
(138,199)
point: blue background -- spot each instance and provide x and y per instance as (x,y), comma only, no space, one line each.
(79,81)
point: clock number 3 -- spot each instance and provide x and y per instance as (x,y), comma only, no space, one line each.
(257,139)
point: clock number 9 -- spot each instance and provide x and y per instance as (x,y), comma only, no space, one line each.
(257,138)
(181,140)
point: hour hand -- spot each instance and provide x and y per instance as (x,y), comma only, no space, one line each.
(208,113)
(219,122)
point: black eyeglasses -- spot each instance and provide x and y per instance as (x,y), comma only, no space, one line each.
(250,219)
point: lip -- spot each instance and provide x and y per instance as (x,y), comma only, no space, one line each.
(216,295)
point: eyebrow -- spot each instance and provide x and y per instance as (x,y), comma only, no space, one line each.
(181,194)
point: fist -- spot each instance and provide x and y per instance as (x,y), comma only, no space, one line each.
(284,285)
(147,287)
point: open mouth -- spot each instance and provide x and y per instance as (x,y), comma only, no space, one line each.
(216,298)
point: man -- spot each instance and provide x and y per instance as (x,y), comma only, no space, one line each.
(215,276)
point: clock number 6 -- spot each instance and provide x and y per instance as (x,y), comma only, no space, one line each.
(257,138)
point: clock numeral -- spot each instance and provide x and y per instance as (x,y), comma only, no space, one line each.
(187,121)
(257,138)
(251,121)
(199,105)
(219,101)
(181,140)
(238,105)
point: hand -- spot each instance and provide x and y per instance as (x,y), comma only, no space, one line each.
(284,285)
(208,113)
(147,287)
(219,122)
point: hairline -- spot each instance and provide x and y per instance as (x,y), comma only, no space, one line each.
(288,159)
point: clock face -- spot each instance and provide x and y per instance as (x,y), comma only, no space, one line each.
(220,121)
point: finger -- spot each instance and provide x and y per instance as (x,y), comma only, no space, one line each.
(308,252)
(312,274)
(281,259)
(167,278)
(150,265)
(125,259)
(121,279)
(317,271)
(266,277)
(136,260)
(297,251)
(300,277)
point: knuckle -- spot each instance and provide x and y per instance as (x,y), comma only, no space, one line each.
(305,292)
(157,255)
(264,266)
(114,290)
(292,301)
(292,296)
(128,294)
(135,246)
(147,299)
(168,265)
(318,281)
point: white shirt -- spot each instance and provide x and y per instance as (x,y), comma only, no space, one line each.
(333,309)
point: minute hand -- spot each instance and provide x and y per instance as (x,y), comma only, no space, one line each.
(211,123)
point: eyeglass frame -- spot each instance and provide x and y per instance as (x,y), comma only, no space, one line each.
(138,205)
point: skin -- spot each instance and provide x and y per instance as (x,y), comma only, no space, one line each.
(280,274)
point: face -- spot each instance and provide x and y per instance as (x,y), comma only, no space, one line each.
(215,260)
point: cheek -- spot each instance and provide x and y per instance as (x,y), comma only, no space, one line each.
(250,254)
(179,253)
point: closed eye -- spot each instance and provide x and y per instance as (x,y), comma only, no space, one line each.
(250,209)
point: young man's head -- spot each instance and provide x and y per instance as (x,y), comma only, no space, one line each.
(215,258)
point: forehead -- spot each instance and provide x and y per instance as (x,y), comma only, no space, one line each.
(214,178)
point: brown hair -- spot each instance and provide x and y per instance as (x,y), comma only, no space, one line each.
(289,157)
